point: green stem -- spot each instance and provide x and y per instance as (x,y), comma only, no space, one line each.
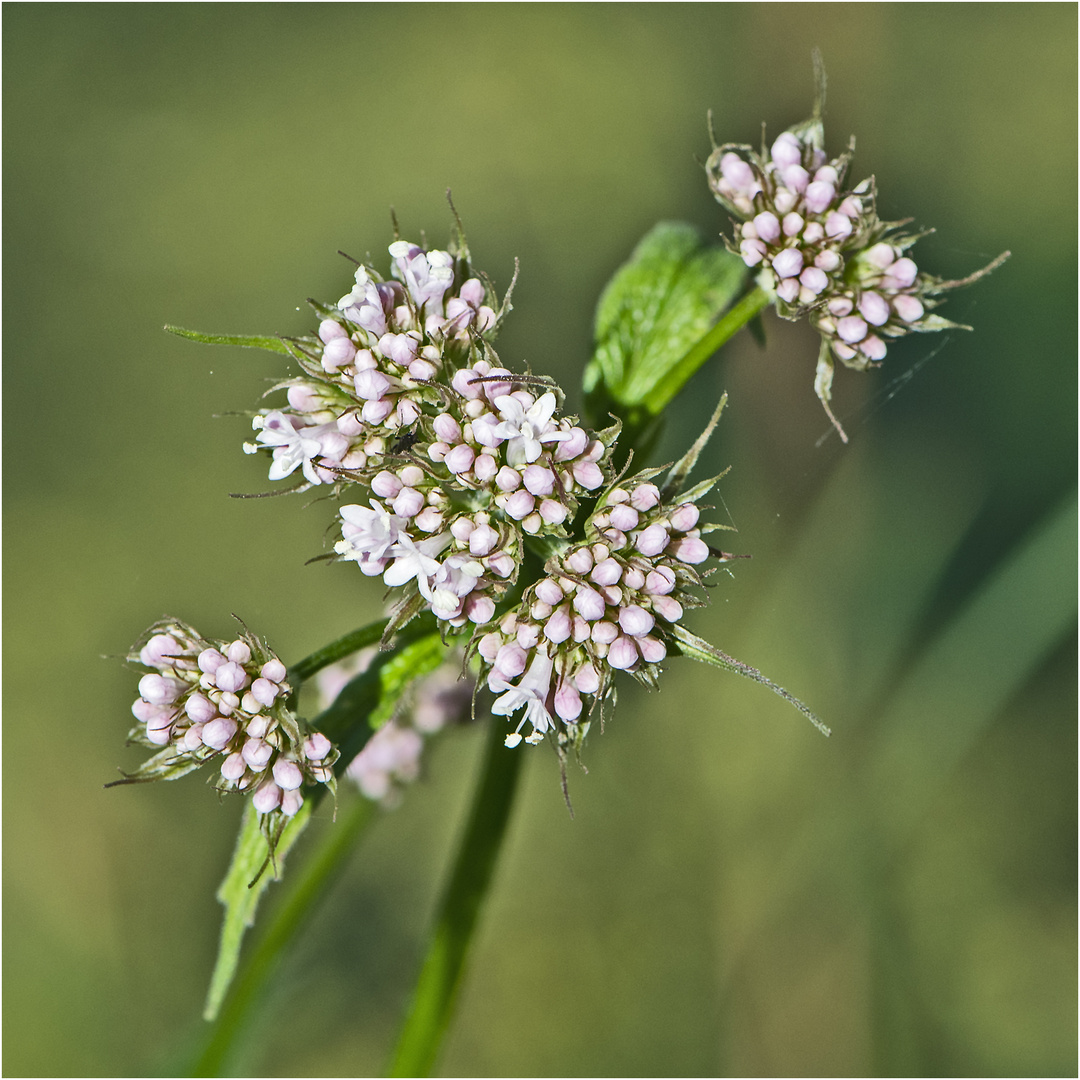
(315,877)
(441,974)
(337,650)
(748,308)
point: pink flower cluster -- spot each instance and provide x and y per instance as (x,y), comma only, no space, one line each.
(368,374)
(604,606)
(797,219)
(205,700)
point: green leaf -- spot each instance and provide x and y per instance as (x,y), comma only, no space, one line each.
(274,344)
(412,662)
(241,892)
(697,649)
(655,309)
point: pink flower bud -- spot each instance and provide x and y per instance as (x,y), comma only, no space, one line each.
(767,226)
(508,479)
(238,651)
(838,225)
(287,774)
(479,609)
(684,518)
(429,519)
(267,797)
(788,289)
(482,540)
(586,679)
(624,517)
(528,634)
(633,578)
(851,206)
(604,632)
(502,564)
(787,150)
(485,468)
(796,178)
(258,726)
(752,251)
(200,708)
(316,746)
(158,736)
(901,275)
(466,383)
(291,801)
(257,753)
(460,459)
(818,196)
(160,651)
(558,626)
(274,670)
(231,677)
(828,261)
(539,480)
(872,347)
(371,384)
(851,329)
(233,767)
(210,660)
(589,604)
(218,733)
(580,560)
(652,541)
(690,549)
(337,353)
(652,649)
(510,661)
(668,608)
(623,654)
(635,620)
(660,581)
(489,646)
(264,691)
(784,200)
(737,172)
(159,690)
(909,308)
(874,308)
(572,447)
(548,591)
(814,279)
(408,503)
(792,224)
(386,485)
(554,513)
(644,497)
(814,233)
(788,263)
(607,572)
(567,702)
(519,505)
(588,475)
(329,329)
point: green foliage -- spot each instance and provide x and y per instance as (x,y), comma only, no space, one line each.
(243,888)
(652,314)
(244,341)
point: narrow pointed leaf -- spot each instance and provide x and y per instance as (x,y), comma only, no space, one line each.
(682,468)
(241,892)
(245,341)
(697,649)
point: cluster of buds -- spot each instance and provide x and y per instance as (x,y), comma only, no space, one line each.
(605,605)
(820,248)
(391,757)
(461,458)
(225,702)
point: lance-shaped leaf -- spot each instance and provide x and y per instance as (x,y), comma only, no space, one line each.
(653,313)
(241,892)
(245,341)
(694,647)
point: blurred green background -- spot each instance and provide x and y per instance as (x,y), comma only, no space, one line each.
(736,895)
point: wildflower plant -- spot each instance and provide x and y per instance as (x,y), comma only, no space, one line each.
(531,564)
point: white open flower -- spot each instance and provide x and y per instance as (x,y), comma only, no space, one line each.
(527,429)
(531,691)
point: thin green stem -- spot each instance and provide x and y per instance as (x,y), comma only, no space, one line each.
(444,965)
(748,308)
(315,876)
(337,650)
